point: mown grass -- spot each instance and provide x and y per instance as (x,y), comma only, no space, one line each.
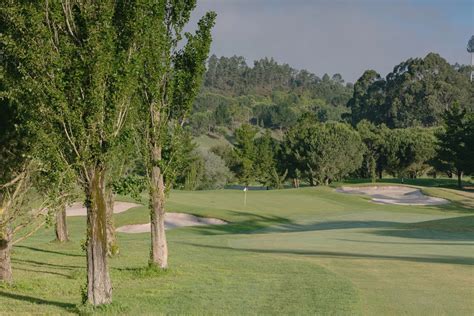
(298,251)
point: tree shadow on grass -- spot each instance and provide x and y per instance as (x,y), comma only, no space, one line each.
(44,272)
(34,300)
(46,264)
(455,228)
(335,254)
(407,243)
(249,225)
(50,251)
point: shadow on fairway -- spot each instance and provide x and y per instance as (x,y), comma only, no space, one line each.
(427,243)
(50,251)
(456,229)
(34,300)
(44,272)
(335,254)
(249,225)
(46,264)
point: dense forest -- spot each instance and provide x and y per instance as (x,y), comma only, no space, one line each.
(269,95)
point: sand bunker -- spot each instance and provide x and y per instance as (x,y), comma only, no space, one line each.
(78,209)
(173,220)
(399,195)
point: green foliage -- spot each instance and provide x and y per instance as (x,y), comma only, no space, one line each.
(456,142)
(408,151)
(131,185)
(415,93)
(215,173)
(324,152)
(268,94)
(265,161)
(246,153)
(170,78)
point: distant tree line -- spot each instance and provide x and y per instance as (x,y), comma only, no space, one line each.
(269,95)
(319,153)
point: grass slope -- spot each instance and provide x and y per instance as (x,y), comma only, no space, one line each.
(305,251)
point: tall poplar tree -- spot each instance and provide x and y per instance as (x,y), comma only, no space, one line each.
(169,80)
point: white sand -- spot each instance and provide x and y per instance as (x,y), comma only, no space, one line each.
(399,195)
(173,220)
(78,209)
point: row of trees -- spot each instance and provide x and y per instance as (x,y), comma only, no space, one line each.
(85,86)
(319,153)
(275,96)
(232,76)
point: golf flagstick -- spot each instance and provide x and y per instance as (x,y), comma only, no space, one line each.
(245,196)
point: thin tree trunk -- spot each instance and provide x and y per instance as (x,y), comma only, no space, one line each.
(99,287)
(460,179)
(61,225)
(112,246)
(5,254)
(159,246)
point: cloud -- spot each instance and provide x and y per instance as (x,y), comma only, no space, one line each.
(344,37)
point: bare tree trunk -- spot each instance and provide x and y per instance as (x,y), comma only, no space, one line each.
(112,246)
(5,253)
(61,225)
(460,179)
(159,246)
(99,287)
(311,180)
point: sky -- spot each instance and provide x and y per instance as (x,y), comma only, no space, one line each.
(340,36)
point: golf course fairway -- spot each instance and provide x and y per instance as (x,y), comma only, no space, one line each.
(295,251)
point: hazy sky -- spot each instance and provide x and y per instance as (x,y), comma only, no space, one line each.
(341,36)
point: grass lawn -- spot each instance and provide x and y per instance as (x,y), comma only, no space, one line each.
(296,251)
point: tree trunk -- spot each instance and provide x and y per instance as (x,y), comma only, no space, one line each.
(5,253)
(159,246)
(311,180)
(460,179)
(112,246)
(99,287)
(61,225)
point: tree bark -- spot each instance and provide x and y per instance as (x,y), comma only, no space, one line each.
(61,225)
(99,287)
(112,246)
(5,256)
(159,246)
(460,179)
(311,180)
